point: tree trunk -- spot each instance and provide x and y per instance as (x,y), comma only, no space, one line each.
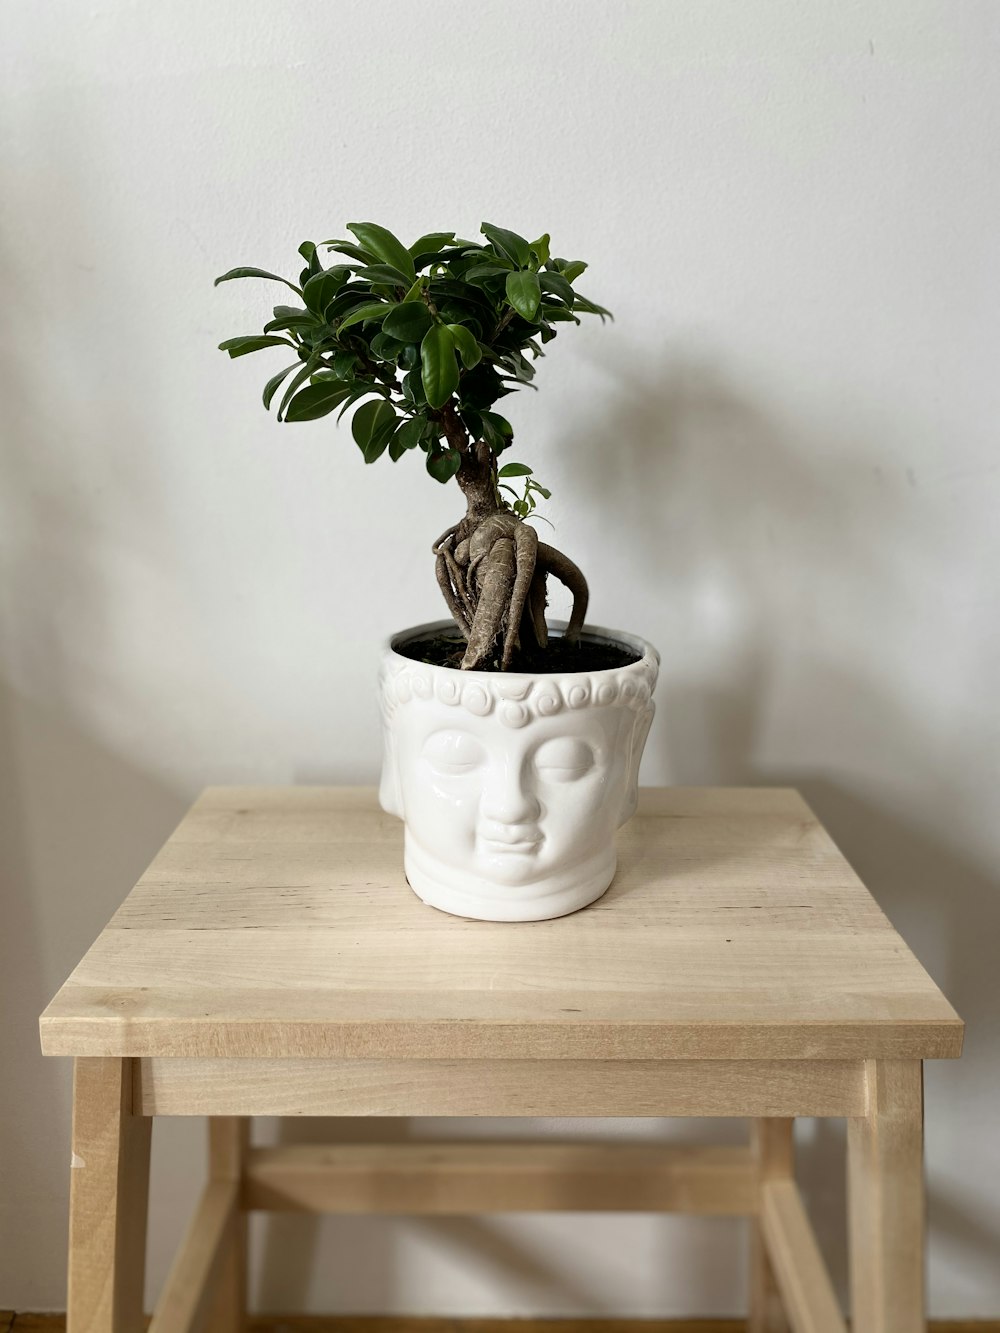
(491,567)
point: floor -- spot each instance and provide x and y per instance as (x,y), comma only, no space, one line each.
(11,1322)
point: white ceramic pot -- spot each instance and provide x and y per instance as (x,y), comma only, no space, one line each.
(511,785)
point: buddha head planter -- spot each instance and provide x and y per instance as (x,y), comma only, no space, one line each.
(511,785)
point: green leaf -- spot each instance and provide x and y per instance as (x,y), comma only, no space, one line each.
(591,308)
(384,246)
(416,292)
(438,367)
(519,365)
(524,294)
(407,437)
(252,343)
(408,322)
(288,317)
(515,470)
(556,314)
(316,400)
(349,297)
(497,431)
(370,310)
(468,349)
(540,248)
(255,273)
(542,491)
(271,387)
(320,290)
(383,436)
(315,265)
(383,275)
(558,286)
(351,250)
(413,388)
(372,425)
(515,247)
(360,391)
(431,242)
(571,268)
(443,464)
(385,348)
(306,370)
(344,364)
(488,278)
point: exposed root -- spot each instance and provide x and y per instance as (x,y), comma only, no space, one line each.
(534,619)
(554,562)
(491,569)
(448,590)
(525,549)
(496,579)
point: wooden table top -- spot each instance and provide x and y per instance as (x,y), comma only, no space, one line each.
(276,922)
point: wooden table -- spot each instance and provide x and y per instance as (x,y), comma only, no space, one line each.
(272,961)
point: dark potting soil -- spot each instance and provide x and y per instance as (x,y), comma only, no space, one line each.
(590,654)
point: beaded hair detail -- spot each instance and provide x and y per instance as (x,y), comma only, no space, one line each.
(517,700)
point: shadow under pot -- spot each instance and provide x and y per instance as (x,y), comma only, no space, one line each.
(511,785)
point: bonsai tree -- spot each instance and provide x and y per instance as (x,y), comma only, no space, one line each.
(431,336)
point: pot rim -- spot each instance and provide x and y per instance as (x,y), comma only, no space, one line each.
(648,655)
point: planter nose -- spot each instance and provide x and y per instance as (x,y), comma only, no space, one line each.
(511,786)
(508,800)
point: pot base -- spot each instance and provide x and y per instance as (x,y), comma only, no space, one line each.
(483,906)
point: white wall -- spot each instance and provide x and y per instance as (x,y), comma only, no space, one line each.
(780,464)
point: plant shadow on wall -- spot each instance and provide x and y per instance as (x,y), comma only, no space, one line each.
(749,536)
(762,548)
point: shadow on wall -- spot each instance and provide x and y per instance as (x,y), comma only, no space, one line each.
(812,552)
(791,567)
(78,822)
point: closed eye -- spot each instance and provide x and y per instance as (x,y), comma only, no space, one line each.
(453,753)
(564,760)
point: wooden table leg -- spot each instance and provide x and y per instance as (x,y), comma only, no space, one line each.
(109,1192)
(771,1141)
(886,1201)
(228,1141)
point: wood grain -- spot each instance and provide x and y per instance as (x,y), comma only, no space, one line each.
(484,1177)
(109,1182)
(277,922)
(228,1148)
(185,1301)
(806,1291)
(886,1202)
(773,1153)
(180,1086)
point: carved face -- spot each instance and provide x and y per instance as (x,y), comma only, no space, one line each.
(511,786)
(511,806)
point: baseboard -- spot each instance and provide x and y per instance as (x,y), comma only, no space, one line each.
(10,1322)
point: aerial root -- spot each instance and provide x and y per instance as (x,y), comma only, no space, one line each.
(554,562)
(534,618)
(455,606)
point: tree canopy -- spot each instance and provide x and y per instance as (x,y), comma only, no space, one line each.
(431,335)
